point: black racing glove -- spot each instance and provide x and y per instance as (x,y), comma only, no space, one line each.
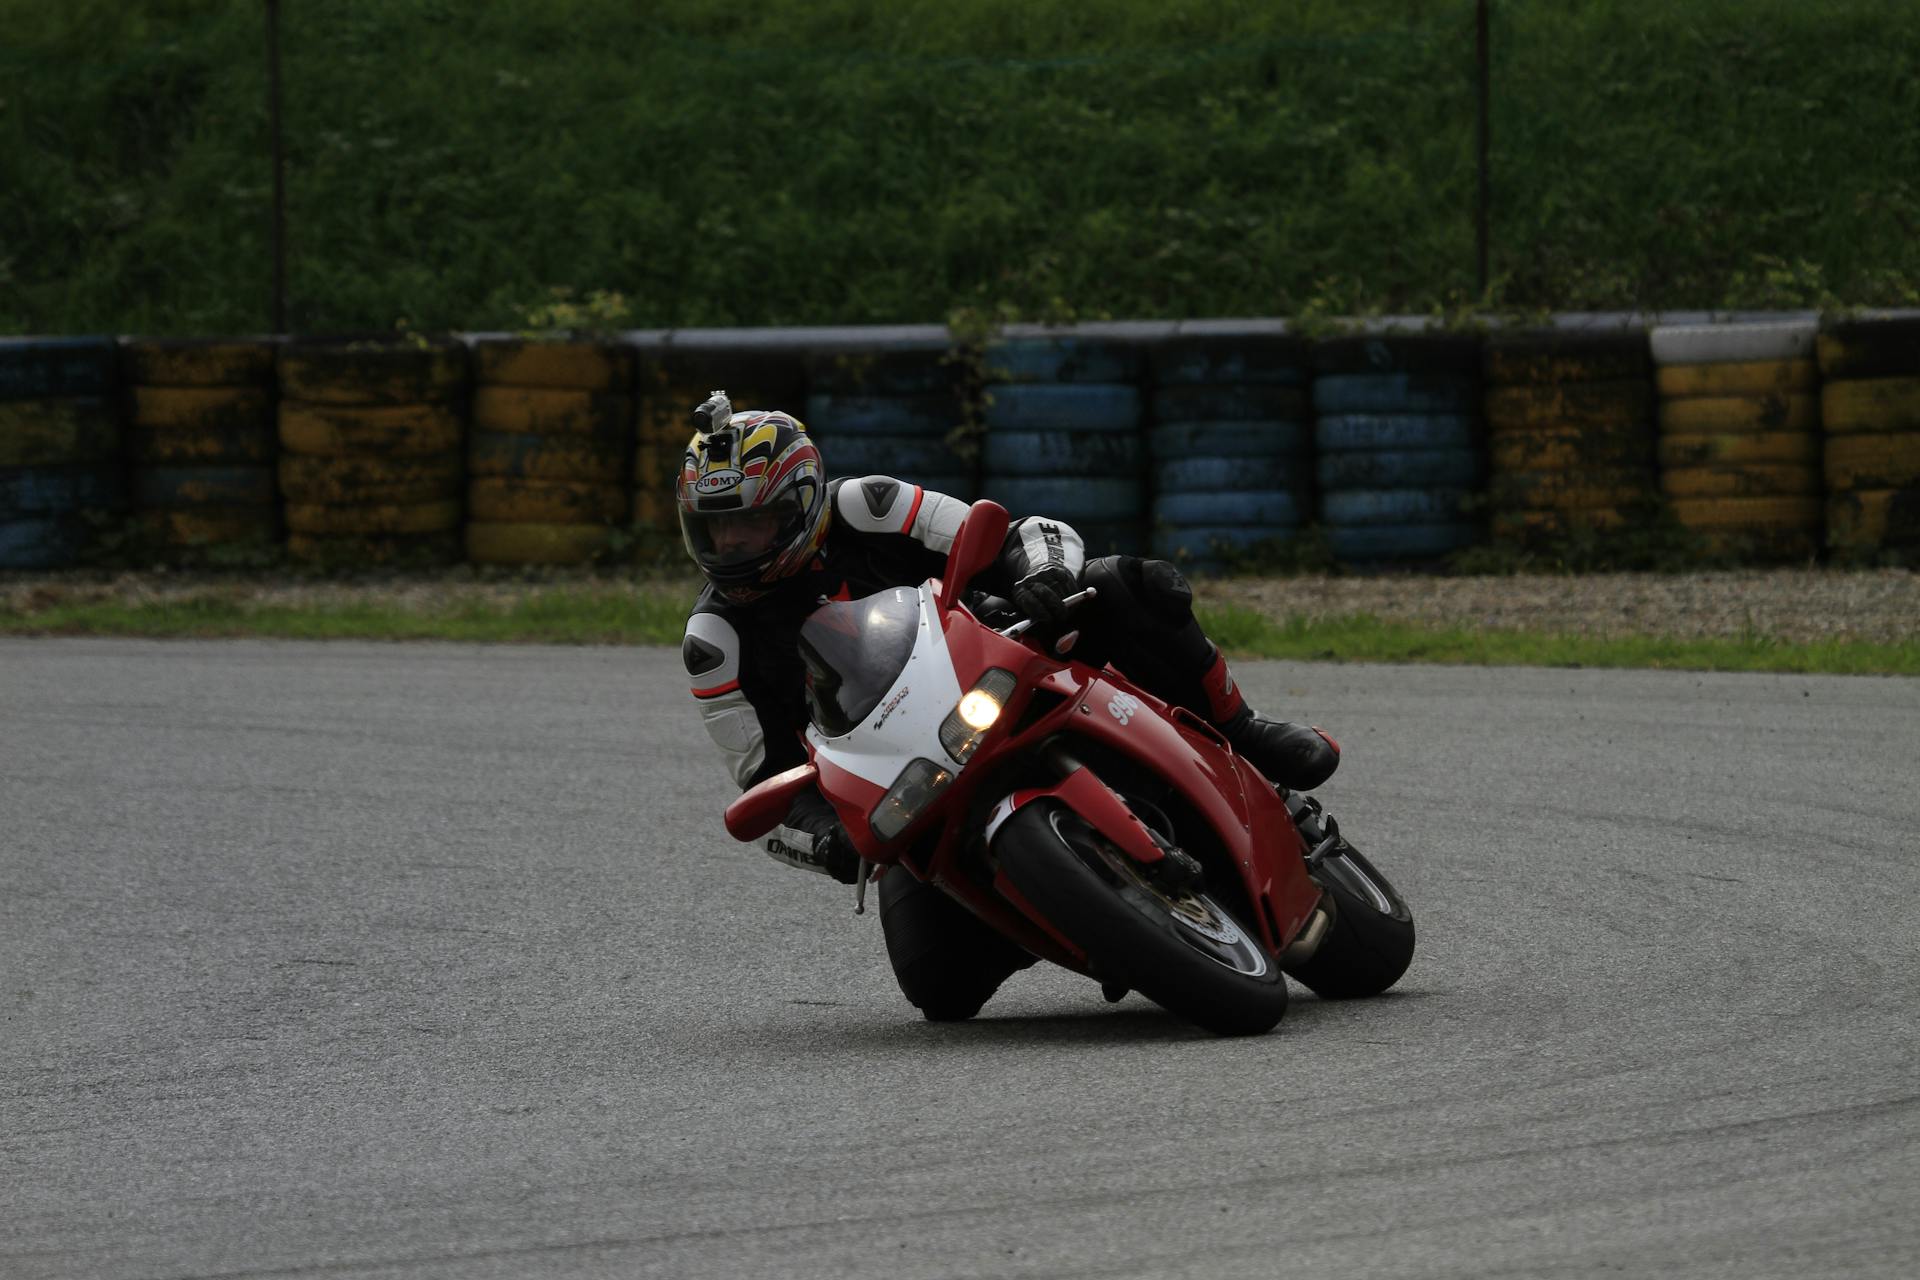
(1042,596)
(813,839)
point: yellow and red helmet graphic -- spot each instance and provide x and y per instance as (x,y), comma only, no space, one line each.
(762,461)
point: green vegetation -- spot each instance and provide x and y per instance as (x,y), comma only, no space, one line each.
(850,161)
(655,613)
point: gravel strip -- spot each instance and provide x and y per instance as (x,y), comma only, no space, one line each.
(1797,605)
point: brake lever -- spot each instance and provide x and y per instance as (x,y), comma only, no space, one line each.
(1025,625)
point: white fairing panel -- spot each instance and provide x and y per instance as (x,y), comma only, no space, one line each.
(907,722)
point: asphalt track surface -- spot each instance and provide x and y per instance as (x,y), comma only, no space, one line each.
(352,960)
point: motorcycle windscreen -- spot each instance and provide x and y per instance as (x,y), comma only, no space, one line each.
(853,651)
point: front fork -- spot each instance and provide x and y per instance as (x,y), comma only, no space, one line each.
(1317,828)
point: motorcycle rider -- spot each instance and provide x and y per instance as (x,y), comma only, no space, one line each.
(774,537)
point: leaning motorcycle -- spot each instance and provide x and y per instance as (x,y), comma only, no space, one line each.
(1077,815)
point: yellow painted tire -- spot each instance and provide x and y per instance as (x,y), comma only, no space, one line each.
(251,445)
(1745,378)
(548,412)
(1750,514)
(1752,480)
(1564,449)
(51,433)
(209,526)
(1866,519)
(332,481)
(1570,490)
(1708,415)
(533,457)
(578,366)
(385,518)
(546,502)
(657,466)
(1871,347)
(653,509)
(1525,525)
(1622,406)
(1871,404)
(341,551)
(207,408)
(1800,448)
(1873,460)
(372,373)
(398,431)
(159,362)
(492,543)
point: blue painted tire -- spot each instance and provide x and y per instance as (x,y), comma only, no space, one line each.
(1220,475)
(1395,431)
(1395,506)
(920,369)
(1063,453)
(1109,407)
(44,368)
(890,455)
(1230,440)
(1229,403)
(1065,359)
(1249,507)
(831,416)
(28,491)
(1116,501)
(1398,469)
(1109,537)
(1443,353)
(203,487)
(1202,360)
(1209,546)
(40,542)
(1395,393)
(1399,541)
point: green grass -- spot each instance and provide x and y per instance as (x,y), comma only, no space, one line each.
(854,161)
(657,616)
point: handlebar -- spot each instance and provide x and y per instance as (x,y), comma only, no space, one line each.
(1025,625)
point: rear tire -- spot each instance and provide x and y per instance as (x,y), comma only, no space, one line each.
(1186,952)
(1370,942)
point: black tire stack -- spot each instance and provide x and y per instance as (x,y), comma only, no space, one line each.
(896,410)
(1870,413)
(1231,443)
(200,448)
(1570,435)
(60,470)
(569,405)
(1398,432)
(371,436)
(1063,419)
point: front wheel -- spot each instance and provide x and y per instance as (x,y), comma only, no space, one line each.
(1183,950)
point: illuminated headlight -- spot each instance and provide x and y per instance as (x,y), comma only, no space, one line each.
(909,795)
(979,709)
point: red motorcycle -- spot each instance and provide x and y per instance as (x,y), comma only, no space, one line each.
(1079,816)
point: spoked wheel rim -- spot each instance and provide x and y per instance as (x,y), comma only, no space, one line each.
(1197,919)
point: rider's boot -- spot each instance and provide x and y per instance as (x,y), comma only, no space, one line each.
(1295,756)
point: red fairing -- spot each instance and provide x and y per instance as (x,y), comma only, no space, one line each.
(853,798)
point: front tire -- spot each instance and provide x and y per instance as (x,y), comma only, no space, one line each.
(1185,951)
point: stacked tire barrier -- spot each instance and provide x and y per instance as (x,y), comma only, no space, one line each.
(547,453)
(200,446)
(1231,444)
(1570,434)
(1398,435)
(371,437)
(1870,412)
(1739,441)
(673,381)
(896,410)
(60,467)
(1063,435)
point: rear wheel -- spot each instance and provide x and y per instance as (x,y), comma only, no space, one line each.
(1370,942)
(1182,949)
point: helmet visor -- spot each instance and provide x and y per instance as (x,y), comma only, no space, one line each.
(733,539)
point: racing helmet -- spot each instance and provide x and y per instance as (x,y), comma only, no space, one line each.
(752,498)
